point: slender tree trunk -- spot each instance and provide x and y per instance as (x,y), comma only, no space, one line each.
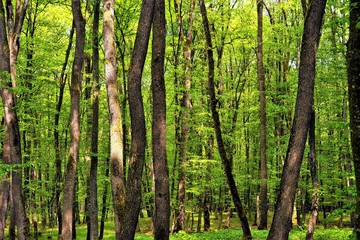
(261,79)
(116,134)
(12,143)
(226,163)
(281,225)
(75,90)
(104,202)
(137,116)
(353,70)
(315,181)
(185,104)
(93,195)
(58,161)
(160,167)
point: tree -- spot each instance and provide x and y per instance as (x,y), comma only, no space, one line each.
(137,116)
(353,71)
(161,172)
(281,224)
(92,197)
(261,79)
(222,151)
(75,91)
(9,42)
(116,134)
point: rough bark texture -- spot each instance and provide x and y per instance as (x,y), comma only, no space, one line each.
(161,174)
(92,198)
(58,160)
(281,225)
(314,177)
(116,134)
(353,69)
(263,205)
(12,147)
(138,130)
(186,41)
(221,147)
(75,91)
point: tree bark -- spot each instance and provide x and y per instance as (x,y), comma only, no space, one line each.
(75,91)
(263,205)
(315,181)
(137,116)
(222,151)
(353,70)
(116,134)
(281,225)
(185,105)
(12,145)
(93,195)
(161,173)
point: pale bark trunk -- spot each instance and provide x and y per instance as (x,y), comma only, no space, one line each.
(116,134)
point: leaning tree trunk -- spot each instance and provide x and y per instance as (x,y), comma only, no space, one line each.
(281,225)
(263,206)
(75,90)
(137,116)
(353,70)
(222,151)
(116,134)
(161,172)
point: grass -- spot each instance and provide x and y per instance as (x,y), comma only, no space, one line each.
(232,233)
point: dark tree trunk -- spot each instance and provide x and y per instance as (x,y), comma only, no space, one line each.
(161,173)
(92,208)
(263,205)
(281,225)
(222,151)
(104,202)
(315,181)
(353,70)
(138,130)
(75,91)
(116,134)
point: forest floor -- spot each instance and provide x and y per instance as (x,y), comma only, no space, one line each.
(233,233)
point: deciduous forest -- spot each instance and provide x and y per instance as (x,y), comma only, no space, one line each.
(180,119)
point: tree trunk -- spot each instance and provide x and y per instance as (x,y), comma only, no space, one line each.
(138,130)
(263,206)
(104,202)
(93,195)
(226,163)
(116,134)
(315,182)
(75,91)
(281,225)
(353,70)
(12,144)
(161,173)
(185,104)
